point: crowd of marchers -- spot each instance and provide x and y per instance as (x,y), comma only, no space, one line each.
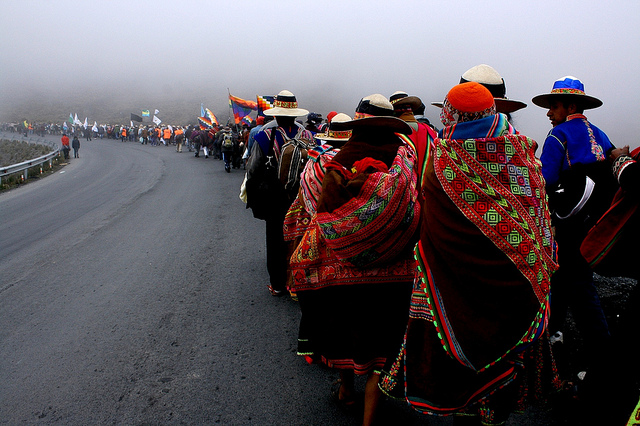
(441,264)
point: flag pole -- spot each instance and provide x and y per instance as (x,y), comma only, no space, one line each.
(229,99)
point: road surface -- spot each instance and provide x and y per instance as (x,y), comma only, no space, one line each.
(133,291)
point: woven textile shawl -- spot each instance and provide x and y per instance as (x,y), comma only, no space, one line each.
(311,181)
(314,264)
(373,227)
(298,218)
(496,183)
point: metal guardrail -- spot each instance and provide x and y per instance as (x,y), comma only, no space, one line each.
(26,165)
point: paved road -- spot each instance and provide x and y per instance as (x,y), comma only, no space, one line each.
(133,291)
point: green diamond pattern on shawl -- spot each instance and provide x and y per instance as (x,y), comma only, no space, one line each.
(504,205)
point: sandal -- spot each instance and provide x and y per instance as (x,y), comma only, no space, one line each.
(275,292)
(345,404)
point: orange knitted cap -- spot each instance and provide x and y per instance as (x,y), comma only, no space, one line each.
(470,97)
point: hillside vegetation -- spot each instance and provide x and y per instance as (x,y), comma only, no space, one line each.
(13,152)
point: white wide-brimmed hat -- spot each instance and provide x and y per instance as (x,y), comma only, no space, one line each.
(285,105)
(492,80)
(375,111)
(331,134)
(401,98)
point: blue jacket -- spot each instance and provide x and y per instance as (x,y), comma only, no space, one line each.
(576,141)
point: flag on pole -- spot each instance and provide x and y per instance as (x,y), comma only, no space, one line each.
(247,120)
(85,123)
(264,103)
(135,117)
(130,123)
(26,125)
(204,123)
(70,118)
(145,113)
(212,118)
(76,121)
(243,102)
(64,126)
(156,120)
(157,112)
(241,107)
(202,113)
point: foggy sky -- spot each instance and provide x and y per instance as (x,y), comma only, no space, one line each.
(179,54)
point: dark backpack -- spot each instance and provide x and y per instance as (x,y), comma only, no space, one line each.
(293,157)
(265,193)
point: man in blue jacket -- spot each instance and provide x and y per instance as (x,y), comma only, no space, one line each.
(580,188)
(270,139)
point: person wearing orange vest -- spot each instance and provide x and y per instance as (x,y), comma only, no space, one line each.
(179,139)
(123,134)
(166,135)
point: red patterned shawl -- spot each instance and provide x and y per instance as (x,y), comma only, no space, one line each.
(372,227)
(298,218)
(315,263)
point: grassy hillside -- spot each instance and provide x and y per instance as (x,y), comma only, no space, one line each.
(110,107)
(13,152)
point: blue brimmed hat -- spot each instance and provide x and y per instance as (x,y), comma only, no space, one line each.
(567,86)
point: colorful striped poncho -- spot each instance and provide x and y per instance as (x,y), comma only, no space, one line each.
(298,218)
(341,324)
(360,241)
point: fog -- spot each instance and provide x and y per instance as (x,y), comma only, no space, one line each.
(104,60)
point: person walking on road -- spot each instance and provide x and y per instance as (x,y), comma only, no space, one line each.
(270,142)
(65,145)
(75,144)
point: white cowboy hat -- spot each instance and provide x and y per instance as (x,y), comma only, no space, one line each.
(285,105)
(491,79)
(331,134)
(375,111)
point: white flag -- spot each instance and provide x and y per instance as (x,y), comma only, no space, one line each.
(156,120)
(170,128)
(85,123)
(76,121)
(131,121)
(157,112)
